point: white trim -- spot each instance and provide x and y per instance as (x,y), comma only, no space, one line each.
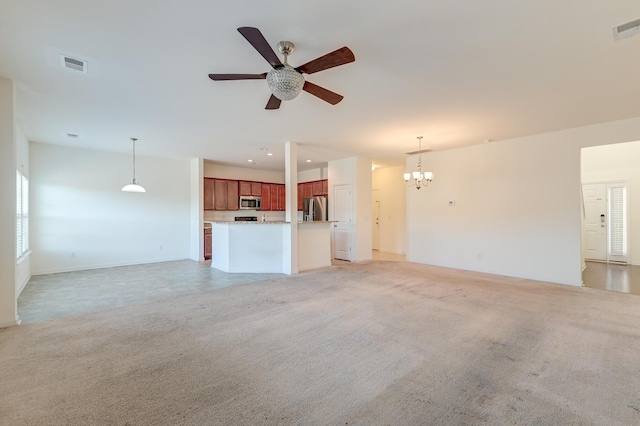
(10,323)
(109,265)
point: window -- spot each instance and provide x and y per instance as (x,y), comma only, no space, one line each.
(617,222)
(22,213)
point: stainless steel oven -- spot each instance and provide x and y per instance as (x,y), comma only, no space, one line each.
(250,203)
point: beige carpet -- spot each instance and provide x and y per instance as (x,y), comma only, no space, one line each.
(368,344)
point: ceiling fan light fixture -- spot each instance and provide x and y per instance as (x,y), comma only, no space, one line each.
(285,82)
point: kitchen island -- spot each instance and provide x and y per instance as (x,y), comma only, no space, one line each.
(258,247)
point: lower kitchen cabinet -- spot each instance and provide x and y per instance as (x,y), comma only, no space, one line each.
(208,247)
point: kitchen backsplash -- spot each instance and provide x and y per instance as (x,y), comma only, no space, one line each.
(213,215)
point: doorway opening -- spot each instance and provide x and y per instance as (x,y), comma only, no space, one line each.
(610,183)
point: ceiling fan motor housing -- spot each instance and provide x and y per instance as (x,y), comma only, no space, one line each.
(285,82)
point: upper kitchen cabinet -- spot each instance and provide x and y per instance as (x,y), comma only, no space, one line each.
(317,188)
(300,197)
(266,196)
(250,188)
(312,189)
(225,194)
(276,197)
(208,193)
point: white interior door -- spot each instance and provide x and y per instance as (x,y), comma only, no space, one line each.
(375,222)
(595,223)
(342,225)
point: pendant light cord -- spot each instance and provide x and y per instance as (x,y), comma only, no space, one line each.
(134,159)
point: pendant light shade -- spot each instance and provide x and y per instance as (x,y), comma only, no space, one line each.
(133,186)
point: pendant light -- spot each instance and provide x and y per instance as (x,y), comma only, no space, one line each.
(133,186)
(420,179)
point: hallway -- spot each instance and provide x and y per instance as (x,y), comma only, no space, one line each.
(612,276)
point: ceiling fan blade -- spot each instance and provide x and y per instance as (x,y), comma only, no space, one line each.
(342,56)
(274,103)
(257,40)
(222,77)
(322,93)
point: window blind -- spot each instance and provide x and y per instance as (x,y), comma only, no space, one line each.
(617,221)
(22,214)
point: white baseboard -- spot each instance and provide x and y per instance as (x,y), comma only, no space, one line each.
(101,266)
(23,285)
(6,324)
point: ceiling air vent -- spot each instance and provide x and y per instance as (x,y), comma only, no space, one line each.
(74,64)
(626,30)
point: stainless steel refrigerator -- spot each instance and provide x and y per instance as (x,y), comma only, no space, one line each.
(315,209)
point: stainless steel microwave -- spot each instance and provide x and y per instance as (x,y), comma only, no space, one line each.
(250,203)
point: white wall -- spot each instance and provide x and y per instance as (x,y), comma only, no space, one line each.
(8,153)
(393,208)
(313,174)
(618,162)
(82,220)
(356,172)
(197,214)
(517,209)
(363,209)
(23,266)
(221,171)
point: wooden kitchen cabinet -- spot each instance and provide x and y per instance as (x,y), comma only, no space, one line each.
(325,187)
(208,243)
(225,194)
(308,189)
(277,194)
(233,202)
(249,188)
(300,197)
(266,196)
(208,193)
(282,197)
(317,188)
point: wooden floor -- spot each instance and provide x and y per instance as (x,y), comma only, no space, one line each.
(612,276)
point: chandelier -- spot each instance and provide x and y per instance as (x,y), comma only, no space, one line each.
(420,179)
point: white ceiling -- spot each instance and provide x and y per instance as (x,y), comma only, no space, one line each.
(457,72)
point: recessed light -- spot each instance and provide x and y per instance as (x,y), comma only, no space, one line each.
(72,135)
(308,161)
(250,161)
(270,154)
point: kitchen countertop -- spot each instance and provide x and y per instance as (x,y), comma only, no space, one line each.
(244,222)
(210,222)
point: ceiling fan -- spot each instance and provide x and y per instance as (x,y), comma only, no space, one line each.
(284,81)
